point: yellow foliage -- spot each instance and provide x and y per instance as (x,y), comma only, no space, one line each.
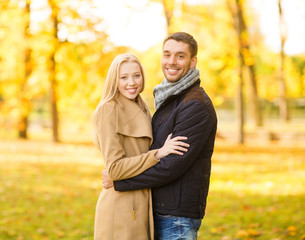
(81,66)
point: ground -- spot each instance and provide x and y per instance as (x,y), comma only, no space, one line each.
(49,191)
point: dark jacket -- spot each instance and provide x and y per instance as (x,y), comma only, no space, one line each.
(180,184)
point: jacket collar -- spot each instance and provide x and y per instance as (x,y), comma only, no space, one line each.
(170,98)
(131,119)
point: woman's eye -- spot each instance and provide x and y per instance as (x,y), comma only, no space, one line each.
(137,75)
(124,78)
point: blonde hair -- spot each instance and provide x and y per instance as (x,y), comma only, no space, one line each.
(111,87)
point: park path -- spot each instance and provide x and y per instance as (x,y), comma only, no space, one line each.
(47,151)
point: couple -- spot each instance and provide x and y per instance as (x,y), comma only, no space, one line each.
(161,175)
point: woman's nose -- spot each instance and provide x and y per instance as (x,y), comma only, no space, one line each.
(131,81)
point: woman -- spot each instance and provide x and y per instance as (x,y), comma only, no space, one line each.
(123,133)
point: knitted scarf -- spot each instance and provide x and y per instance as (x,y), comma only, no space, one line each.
(166,89)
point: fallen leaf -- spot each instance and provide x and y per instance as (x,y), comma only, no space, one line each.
(254,233)
(242,233)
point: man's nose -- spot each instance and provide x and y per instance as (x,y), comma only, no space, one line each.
(172,60)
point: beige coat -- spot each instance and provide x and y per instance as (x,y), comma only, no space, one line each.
(125,141)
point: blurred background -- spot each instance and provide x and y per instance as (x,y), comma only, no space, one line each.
(54,57)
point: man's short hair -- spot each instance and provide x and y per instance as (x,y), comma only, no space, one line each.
(186,38)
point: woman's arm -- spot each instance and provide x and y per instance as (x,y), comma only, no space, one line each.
(171,145)
(117,164)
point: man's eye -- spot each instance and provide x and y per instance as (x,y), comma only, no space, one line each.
(180,56)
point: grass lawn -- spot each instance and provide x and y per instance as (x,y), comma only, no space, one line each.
(49,191)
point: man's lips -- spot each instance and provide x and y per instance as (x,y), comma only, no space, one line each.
(172,70)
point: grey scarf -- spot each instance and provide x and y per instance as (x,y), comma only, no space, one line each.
(166,89)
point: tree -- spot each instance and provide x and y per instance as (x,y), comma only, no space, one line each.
(248,61)
(79,48)
(238,24)
(283,102)
(14,55)
(24,101)
(168,7)
(52,69)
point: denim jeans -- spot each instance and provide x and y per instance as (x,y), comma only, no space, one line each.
(169,227)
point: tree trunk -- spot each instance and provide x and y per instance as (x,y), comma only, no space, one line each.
(54,110)
(168,6)
(240,105)
(249,63)
(53,82)
(24,101)
(240,113)
(283,102)
(255,103)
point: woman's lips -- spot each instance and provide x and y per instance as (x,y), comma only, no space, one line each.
(131,90)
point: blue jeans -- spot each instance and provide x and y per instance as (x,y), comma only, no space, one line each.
(169,227)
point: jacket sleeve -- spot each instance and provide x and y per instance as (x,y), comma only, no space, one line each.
(195,121)
(117,164)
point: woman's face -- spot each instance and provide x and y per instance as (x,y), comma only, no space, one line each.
(130,80)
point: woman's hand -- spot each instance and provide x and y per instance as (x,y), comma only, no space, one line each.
(107,181)
(172,146)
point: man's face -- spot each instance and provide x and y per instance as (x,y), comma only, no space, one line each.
(176,60)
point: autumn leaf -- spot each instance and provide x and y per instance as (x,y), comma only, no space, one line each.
(254,233)
(242,233)
(291,231)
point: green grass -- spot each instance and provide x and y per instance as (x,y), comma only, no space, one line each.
(256,193)
(49,191)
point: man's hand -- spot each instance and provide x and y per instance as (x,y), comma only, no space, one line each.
(107,182)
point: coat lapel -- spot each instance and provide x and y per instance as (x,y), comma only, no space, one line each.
(131,120)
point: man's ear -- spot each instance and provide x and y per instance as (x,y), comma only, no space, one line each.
(194,62)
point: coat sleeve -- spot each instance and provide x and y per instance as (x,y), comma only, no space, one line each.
(117,164)
(195,121)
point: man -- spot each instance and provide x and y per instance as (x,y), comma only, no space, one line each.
(179,184)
